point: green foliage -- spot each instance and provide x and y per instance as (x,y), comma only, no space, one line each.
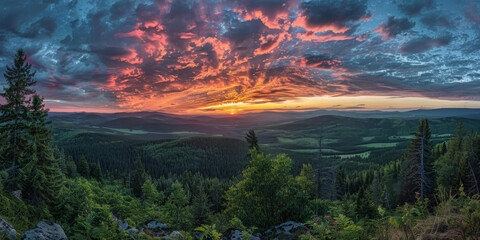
(364,207)
(252,140)
(138,178)
(83,168)
(176,207)
(201,207)
(460,164)
(339,227)
(208,232)
(151,195)
(27,145)
(14,114)
(267,194)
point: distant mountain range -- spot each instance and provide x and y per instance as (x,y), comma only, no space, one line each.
(367,135)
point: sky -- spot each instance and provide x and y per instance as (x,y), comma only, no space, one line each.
(233,56)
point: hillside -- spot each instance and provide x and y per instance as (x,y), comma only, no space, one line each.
(212,156)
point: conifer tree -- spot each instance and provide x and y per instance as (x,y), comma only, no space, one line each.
(200,207)
(252,140)
(70,167)
(95,171)
(14,113)
(83,168)
(42,174)
(418,167)
(452,167)
(444,148)
(176,205)
(473,164)
(138,179)
(364,205)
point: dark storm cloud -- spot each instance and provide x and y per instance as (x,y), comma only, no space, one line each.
(395,26)
(435,20)
(109,51)
(121,9)
(339,13)
(45,26)
(322,61)
(425,43)
(239,32)
(415,7)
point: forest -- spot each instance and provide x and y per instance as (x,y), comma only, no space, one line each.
(212,188)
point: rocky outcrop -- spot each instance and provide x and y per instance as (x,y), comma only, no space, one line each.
(156,225)
(132,232)
(7,231)
(287,230)
(235,234)
(157,229)
(45,231)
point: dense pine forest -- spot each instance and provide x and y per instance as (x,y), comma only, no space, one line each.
(212,188)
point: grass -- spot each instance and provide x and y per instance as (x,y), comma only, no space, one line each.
(362,155)
(303,142)
(367,139)
(379,145)
(406,137)
(127,131)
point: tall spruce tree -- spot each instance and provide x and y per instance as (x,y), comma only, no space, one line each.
(14,113)
(176,207)
(252,140)
(471,165)
(42,176)
(138,178)
(418,167)
(83,168)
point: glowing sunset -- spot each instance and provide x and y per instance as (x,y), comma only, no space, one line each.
(239,119)
(196,56)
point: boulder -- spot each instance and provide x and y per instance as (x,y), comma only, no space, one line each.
(132,232)
(235,234)
(157,229)
(287,228)
(7,231)
(17,194)
(174,235)
(154,225)
(45,231)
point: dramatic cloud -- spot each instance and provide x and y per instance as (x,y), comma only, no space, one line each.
(393,27)
(424,43)
(415,7)
(435,20)
(201,55)
(332,15)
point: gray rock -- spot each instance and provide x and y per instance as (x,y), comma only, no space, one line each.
(17,194)
(156,225)
(122,223)
(287,228)
(235,234)
(7,231)
(175,235)
(45,231)
(132,232)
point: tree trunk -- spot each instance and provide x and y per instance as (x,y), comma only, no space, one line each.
(422,169)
